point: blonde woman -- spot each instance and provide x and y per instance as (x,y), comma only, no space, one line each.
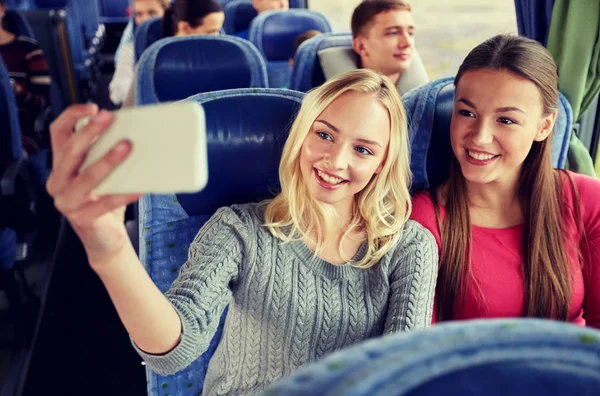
(331,261)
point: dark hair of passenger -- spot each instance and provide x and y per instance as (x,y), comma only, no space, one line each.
(546,277)
(190,11)
(302,38)
(367,10)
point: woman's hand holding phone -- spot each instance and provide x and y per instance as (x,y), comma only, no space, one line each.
(97,220)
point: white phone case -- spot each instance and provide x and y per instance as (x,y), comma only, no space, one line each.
(168,150)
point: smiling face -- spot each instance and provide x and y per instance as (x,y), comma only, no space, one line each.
(497,117)
(344,148)
(386,45)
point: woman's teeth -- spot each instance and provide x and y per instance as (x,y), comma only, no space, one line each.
(329,179)
(480,156)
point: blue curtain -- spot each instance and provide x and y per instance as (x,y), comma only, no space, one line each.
(533,18)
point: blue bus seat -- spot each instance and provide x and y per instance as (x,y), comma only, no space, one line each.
(147,34)
(274,33)
(243,126)
(19,4)
(223,3)
(114,11)
(429,110)
(178,67)
(307,72)
(238,16)
(18,189)
(50,32)
(489,357)
(74,25)
(298,4)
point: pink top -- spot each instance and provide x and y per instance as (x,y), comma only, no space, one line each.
(496,259)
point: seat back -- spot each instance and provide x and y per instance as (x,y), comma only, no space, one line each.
(19,4)
(429,110)
(494,357)
(238,16)
(298,4)
(223,3)
(147,34)
(50,31)
(178,67)
(74,23)
(326,56)
(114,11)
(244,126)
(17,24)
(11,147)
(307,72)
(274,33)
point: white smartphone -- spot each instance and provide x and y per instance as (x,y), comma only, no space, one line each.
(168,150)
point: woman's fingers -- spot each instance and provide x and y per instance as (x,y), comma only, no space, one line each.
(68,159)
(83,184)
(62,128)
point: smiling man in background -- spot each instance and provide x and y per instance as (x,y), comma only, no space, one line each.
(383,36)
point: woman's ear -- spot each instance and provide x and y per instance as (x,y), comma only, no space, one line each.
(546,127)
(183,29)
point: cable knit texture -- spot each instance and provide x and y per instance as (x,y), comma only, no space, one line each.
(287,307)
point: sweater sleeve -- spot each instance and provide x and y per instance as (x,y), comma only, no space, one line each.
(589,191)
(203,288)
(412,281)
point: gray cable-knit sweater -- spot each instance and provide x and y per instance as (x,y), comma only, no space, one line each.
(287,307)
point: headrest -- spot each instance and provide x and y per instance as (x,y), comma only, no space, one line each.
(11,147)
(114,8)
(178,67)
(246,130)
(246,133)
(17,24)
(338,60)
(298,4)
(274,32)
(223,3)
(238,16)
(147,34)
(51,3)
(494,357)
(307,72)
(429,110)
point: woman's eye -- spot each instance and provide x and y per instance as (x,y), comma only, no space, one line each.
(465,113)
(507,121)
(324,135)
(364,151)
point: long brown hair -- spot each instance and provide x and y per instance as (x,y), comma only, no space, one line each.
(545,268)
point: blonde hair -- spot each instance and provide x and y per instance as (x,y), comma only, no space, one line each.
(381,208)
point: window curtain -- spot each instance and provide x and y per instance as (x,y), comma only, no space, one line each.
(574,43)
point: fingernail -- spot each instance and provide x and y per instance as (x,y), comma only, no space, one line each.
(102,117)
(122,148)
